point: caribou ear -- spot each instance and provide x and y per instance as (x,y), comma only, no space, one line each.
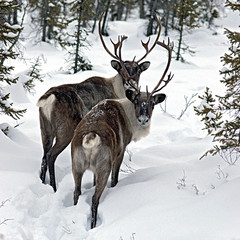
(158,98)
(130,94)
(116,65)
(144,66)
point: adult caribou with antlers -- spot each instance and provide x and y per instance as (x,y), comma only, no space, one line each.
(101,137)
(61,108)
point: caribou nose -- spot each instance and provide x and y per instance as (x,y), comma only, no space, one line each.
(143,120)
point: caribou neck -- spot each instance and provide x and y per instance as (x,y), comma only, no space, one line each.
(137,131)
(117,84)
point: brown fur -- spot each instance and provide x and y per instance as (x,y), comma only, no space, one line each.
(62,108)
(101,138)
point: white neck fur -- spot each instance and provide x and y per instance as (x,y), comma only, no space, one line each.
(138,132)
(118,87)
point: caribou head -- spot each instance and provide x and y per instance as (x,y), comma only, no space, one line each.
(130,71)
(144,102)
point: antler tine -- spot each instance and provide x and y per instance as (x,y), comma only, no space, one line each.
(118,53)
(147,91)
(122,38)
(169,78)
(169,48)
(116,46)
(145,45)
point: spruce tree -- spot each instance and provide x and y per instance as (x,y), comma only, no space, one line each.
(50,18)
(33,74)
(57,20)
(9,36)
(209,10)
(223,124)
(81,11)
(187,15)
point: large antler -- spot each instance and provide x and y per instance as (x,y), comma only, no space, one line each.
(169,48)
(117,53)
(116,45)
(145,45)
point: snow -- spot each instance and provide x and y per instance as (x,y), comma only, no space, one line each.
(14,26)
(211,115)
(204,104)
(51,5)
(10,35)
(165,192)
(224,69)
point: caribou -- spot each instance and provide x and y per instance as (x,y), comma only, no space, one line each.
(61,108)
(101,137)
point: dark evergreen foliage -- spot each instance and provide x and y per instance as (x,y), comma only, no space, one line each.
(187,16)
(221,115)
(9,35)
(81,13)
(33,75)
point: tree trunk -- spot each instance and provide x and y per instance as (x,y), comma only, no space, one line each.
(181,34)
(50,32)
(75,69)
(166,17)
(142,11)
(45,10)
(15,13)
(174,14)
(104,31)
(127,10)
(95,17)
(182,17)
(120,8)
(179,43)
(153,5)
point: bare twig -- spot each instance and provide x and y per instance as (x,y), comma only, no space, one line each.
(221,174)
(196,189)
(164,109)
(181,183)
(129,154)
(67,230)
(129,169)
(2,205)
(188,103)
(3,202)
(230,156)
(5,220)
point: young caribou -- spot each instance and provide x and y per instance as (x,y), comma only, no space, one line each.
(101,137)
(62,108)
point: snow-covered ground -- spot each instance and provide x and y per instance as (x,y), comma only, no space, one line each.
(165,192)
